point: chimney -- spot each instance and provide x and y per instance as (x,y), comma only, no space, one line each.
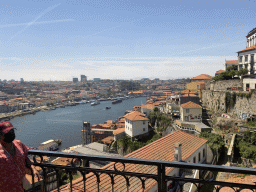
(177,152)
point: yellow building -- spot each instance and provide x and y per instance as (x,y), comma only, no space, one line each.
(196,86)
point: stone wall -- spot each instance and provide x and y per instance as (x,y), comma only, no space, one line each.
(224,85)
(215,100)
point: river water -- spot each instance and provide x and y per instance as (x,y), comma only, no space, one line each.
(66,123)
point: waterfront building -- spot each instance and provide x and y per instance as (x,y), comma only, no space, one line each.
(246,57)
(96,79)
(75,80)
(136,124)
(83,78)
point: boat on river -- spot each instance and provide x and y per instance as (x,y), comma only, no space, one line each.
(108,107)
(116,101)
(97,102)
(50,145)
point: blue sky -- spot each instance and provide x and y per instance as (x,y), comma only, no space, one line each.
(120,39)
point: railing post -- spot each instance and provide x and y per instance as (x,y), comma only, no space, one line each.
(161,178)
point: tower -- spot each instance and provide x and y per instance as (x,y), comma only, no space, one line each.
(86,133)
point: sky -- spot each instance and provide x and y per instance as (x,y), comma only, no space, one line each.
(120,39)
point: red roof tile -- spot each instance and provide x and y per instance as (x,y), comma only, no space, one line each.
(190,104)
(248,49)
(162,149)
(202,77)
(231,61)
(135,116)
(220,71)
(119,130)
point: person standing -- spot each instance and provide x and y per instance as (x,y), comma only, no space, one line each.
(14,161)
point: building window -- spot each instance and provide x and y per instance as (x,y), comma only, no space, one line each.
(143,122)
(197,86)
(246,58)
(187,110)
(199,157)
(194,160)
(240,58)
(203,153)
(144,129)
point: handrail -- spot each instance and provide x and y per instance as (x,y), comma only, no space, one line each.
(160,177)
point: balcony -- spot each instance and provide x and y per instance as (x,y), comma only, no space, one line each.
(156,178)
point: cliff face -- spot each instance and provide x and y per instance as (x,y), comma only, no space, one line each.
(214,100)
(243,105)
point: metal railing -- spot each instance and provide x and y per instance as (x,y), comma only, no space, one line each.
(159,176)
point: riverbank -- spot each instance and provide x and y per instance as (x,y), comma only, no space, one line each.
(9,116)
(66,123)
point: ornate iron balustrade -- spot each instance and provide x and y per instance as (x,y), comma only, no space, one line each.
(160,176)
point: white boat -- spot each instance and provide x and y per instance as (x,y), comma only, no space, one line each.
(50,145)
(95,103)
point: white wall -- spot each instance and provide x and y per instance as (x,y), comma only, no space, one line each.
(135,128)
(251,82)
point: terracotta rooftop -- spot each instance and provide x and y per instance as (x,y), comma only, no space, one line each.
(220,71)
(108,140)
(148,106)
(189,95)
(231,61)
(119,130)
(190,104)
(188,91)
(202,77)
(135,116)
(162,149)
(248,49)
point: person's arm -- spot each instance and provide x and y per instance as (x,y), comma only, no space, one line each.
(32,167)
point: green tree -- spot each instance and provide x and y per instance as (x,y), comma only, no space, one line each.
(215,141)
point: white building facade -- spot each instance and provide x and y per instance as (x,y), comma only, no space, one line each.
(136,124)
(246,57)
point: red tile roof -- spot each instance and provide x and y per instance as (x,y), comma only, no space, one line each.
(220,71)
(148,106)
(136,116)
(231,61)
(248,49)
(108,140)
(189,95)
(190,104)
(162,149)
(186,91)
(119,130)
(202,77)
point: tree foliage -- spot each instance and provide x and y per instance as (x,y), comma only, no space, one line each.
(129,146)
(246,145)
(156,118)
(230,73)
(215,141)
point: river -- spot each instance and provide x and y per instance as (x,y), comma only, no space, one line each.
(66,123)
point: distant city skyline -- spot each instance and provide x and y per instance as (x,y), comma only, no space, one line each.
(59,40)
